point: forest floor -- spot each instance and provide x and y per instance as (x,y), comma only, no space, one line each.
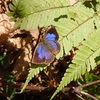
(13,75)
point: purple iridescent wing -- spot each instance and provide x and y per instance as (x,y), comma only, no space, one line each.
(42,55)
(51,43)
(47,49)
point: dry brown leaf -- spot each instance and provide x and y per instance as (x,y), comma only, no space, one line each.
(13,41)
(22,64)
(5,24)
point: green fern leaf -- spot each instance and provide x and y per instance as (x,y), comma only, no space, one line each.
(98,1)
(37,12)
(73,32)
(17,8)
(32,72)
(83,61)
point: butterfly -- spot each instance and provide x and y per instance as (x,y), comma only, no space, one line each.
(48,48)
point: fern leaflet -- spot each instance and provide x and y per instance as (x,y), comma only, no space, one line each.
(83,61)
(32,72)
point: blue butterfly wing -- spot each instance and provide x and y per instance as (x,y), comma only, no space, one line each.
(47,49)
(52,44)
(42,55)
(52,34)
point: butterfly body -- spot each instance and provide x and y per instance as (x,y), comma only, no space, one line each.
(47,49)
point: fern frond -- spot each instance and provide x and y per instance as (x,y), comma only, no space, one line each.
(38,13)
(32,72)
(83,61)
(98,1)
(43,13)
(73,32)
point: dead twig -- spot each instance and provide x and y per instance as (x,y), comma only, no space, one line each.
(78,89)
(4,95)
(88,95)
(88,84)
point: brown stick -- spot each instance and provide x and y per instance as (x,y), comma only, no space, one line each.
(78,89)
(88,95)
(88,84)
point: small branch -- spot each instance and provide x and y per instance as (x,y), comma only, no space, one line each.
(4,95)
(88,84)
(88,95)
(78,89)
(80,97)
(66,89)
(36,88)
(30,87)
